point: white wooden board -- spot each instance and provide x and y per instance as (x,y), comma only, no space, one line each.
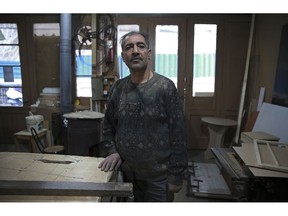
(273,119)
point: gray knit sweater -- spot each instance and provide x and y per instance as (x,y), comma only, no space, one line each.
(145,124)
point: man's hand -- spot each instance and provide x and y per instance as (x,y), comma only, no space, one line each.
(174,188)
(111,162)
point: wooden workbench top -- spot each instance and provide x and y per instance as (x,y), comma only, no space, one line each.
(51,168)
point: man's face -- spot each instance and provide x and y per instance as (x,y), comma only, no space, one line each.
(135,53)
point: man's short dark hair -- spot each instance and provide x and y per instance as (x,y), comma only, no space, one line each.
(145,35)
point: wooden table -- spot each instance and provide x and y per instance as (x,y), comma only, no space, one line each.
(217,128)
(49,177)
(27,135)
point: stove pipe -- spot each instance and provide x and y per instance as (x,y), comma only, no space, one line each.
(65,63)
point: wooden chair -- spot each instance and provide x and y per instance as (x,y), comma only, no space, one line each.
(56,149)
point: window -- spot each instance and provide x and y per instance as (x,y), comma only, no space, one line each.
(204,59)
(166,51)
(83,72)
(83,62)
(10,66)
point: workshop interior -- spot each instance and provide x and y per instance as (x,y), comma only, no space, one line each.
(231,72)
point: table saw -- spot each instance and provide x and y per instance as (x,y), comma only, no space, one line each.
(246,179)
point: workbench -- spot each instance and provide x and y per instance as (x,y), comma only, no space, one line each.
(49,177)
(246,181)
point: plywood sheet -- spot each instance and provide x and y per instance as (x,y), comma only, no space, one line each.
(247,154)
(273,119)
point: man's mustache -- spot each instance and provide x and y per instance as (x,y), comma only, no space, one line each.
(136,58)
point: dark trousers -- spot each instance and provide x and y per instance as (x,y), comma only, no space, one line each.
(151,189)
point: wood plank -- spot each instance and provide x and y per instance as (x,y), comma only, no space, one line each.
(49,188)
(249,137)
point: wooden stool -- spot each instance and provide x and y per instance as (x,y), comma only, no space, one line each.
(27,135)
(217,128)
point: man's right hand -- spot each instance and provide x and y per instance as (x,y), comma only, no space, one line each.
(111,162)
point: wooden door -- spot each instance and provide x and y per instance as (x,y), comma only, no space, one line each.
(231,49)
(47,61)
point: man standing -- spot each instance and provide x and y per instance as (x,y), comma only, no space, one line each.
(144,126)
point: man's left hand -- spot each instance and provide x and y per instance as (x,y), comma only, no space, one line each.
(174,188)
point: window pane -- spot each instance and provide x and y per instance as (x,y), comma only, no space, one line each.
(10,54)
(204,60)
(10,68)
(11,97)
(83,62)
(121,30)
(46,29)
(166,51)
(10,76)
(83,73)
(8,33)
